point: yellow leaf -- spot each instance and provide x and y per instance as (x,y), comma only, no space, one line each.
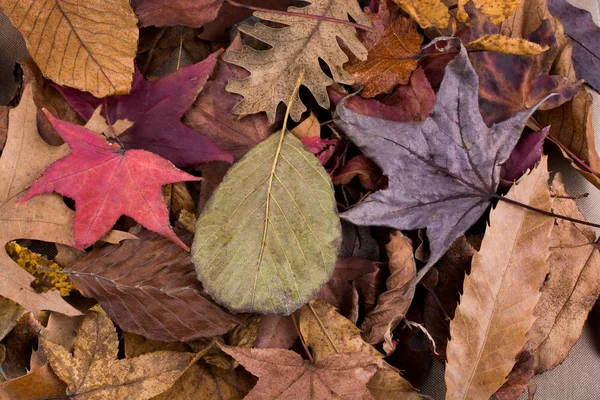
(426,12)
(497,10)
(506,45)
(44,280)
(88,45)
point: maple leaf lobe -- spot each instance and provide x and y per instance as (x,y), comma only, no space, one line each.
(107,183)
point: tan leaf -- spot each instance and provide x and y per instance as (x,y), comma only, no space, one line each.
(94,371)
(327,332)
(506,45)
(38,383)
(310,127)
(392,304)
(283,374)
(390,385)
(62,329)
(426,12)
(10,312)
(497,10)
(297,47)
(528,17)
(496,309)
(571,289)
(392,43)
(3,125)
(88,46)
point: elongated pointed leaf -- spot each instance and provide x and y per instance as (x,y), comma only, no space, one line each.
(268,238)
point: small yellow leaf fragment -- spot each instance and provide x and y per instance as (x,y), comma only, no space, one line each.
(497,10)
(506,45)
(45,280)
(426,12)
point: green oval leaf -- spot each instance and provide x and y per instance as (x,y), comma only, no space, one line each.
(268,238)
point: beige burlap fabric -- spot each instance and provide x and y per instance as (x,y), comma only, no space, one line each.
(578,378)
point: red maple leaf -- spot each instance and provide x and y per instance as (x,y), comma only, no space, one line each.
(106,182)
(156,108)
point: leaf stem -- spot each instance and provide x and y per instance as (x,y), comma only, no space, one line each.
(294,14)
(544,212)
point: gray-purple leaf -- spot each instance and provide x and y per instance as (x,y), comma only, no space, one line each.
(580,26)
(442,170)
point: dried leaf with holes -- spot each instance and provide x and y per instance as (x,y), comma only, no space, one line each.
(76,43)
(496,309)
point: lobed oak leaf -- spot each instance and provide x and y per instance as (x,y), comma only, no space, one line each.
(154,293)
(283,374)
(211,112)
(106,182)
(75,44)
(93,370)
(496,309)
(156,108)
(572,287)
(192,13)
(391,44)
(443,170)
(299,46)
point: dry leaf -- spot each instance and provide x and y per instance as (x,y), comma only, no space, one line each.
(426,12)
(327,332)
(496,309)
(276,332)
(194,13)
(75,44)
(391,44)
(38,383)
(295,48)
(571,289)
(519,378)
(155,293)
(506,45)
(310,127)
(392,304)
(389,385)
(283,374)
(94,371)
(10,312)
(497,10)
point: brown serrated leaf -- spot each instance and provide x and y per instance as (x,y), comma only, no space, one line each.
(76,45)
(154,293)
(300,46)
(94,371)
(392,304)
(496,309)
(572,287)
(283,374)
(391,44)
(327,332)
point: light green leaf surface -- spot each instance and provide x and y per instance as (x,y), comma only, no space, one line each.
(268,239)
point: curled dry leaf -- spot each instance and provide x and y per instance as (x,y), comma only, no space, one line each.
(283,374)
(368,173)
(297,47)
(434,182)
(571,289)
(392,44)
(519,378)
(496,309)
(75,45)
(149,287)
(129,183)
(503,44)
(94,371)
(392,304)
(255,242)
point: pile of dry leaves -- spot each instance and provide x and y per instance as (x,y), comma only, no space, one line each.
(409,202)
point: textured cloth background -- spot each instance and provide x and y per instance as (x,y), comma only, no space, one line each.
(578,378)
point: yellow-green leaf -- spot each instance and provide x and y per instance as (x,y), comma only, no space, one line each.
(268,238)
(88,45)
